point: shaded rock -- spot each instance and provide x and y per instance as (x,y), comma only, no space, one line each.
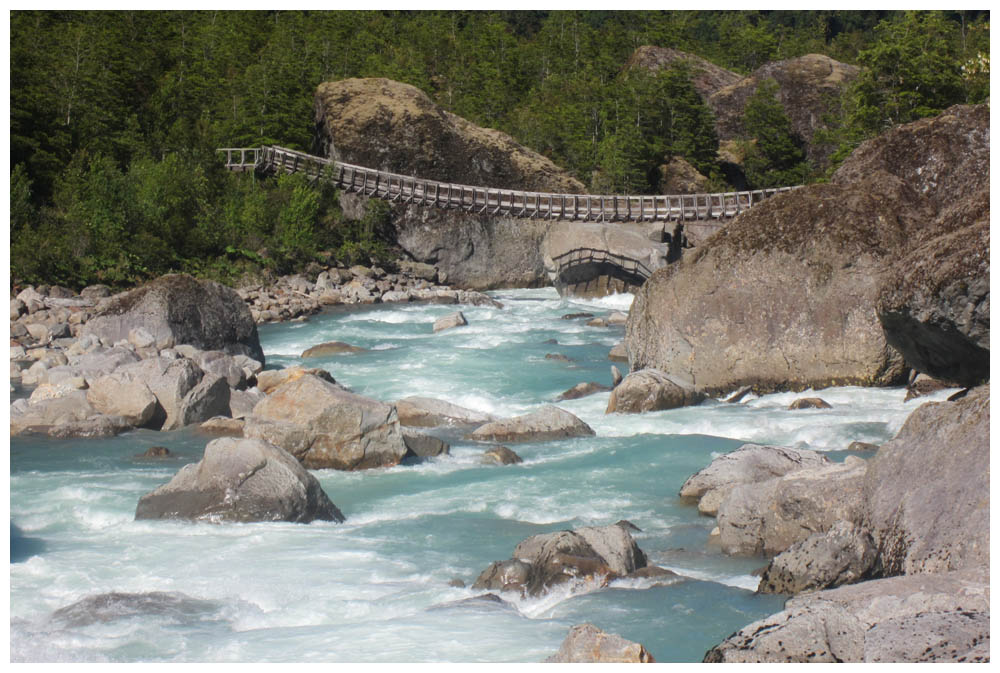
(331,348)
(549,422)
(92,427)
(585,555)
(242,402)
(737,396)
(677,176)
(328,427)
(582,390)
(616,377)
(207,399)
(932,617)
(924,385)
(427,412)
(862,446)
(419,270)
(586,643)
(457,583)
(423,445)
(217,363)
(452,320)
(576,316)
(156,452)
(651,390)
(657,575)
(617,318)
(93,364)
(177,309)
(123,395)
(270,379)
(809,403)
(768,517)
(501,455)
(109,607)
(559,357)
(843,555)
(240,480)
(941,455)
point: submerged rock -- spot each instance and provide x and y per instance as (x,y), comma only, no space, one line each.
(331,348)
(109,607)
(241,480)
(587,644)
(547,423)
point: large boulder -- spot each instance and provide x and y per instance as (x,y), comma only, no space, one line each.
(651,390)
(427,412)
(587,644)
(706,77)
(584,555)
(547,423)
(842,555)
(786,296)
(769,517)
(123,395)
(170,381)
(325,426)
(41,415)
(809,89)
(927,492)
(178,309)
(241,480)
(933,617)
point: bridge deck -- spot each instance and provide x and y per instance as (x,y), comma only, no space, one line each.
(488,200)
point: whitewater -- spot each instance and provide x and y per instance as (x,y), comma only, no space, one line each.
(379,588)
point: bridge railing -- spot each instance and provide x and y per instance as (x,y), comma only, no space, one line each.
(487,200)
(579,256)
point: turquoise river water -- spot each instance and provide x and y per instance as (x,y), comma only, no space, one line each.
(376,588)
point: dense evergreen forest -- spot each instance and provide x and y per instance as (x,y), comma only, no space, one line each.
(115,116)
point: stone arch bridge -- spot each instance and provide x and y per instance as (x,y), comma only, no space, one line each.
(596,243)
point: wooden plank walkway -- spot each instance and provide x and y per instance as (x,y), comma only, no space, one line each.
(503,202)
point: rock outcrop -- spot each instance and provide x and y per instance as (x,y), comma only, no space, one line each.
(707,77)
(586,556)
(547,423)
(240,480)
(723,318)
(587,644)
(177,309)
(809,88)
(325,426)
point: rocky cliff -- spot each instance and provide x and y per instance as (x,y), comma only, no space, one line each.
(706,77)
(395,127)
(788,295)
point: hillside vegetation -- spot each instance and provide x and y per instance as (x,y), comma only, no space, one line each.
(116,116)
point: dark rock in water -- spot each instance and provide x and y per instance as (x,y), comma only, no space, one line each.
(843,555)
(924,385)
(582,390)
(616,376)
(550,342)
(423,445)
(576,316)
(331,348)
(241,480)
(501,455)
(103,608)
(809,403)
(587,555)
(739,394)
(862,446)
(558,356)
(178,309)
(457,583)
(655,575)
(488,601)
(587,644)
(156,452)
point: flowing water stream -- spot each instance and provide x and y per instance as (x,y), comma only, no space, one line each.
(376,588)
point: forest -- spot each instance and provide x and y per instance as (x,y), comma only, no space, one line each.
(116,115)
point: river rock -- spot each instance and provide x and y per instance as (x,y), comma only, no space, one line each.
(809,403)
(124,395)
(218,363)
(331,348)
(43,415)
(241,480)
(501,455)
(651,390)
(547,423)
(177,309)
(242,402)
(109,607)
(325,426)
(422,445)
(171,381)
(582,390)
(618,353)
(451,320)
(749,464)
(222,425)
(842,555)
(768,517)
(585,555)
(207,399)
(587,644)
(941,455)
(928,617)
(427,412)
(270,379)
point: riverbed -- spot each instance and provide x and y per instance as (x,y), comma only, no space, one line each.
(379,587)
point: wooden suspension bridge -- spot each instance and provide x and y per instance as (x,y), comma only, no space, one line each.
(488,200)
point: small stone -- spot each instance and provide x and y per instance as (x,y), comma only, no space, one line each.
(331,348)
(456,319)
(809,403)
(156,452)
(575,316)
(501,455)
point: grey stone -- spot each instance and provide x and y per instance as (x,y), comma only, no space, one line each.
(240,480)
(547,423)
(501,455)
(427,412)
(242,402)
(652,390)
(207,399)
(582,390)
(330,348)
(749,464)
(170,381)
(423,445)
(587,644)
(449,321)
(122,394)
(842,555)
